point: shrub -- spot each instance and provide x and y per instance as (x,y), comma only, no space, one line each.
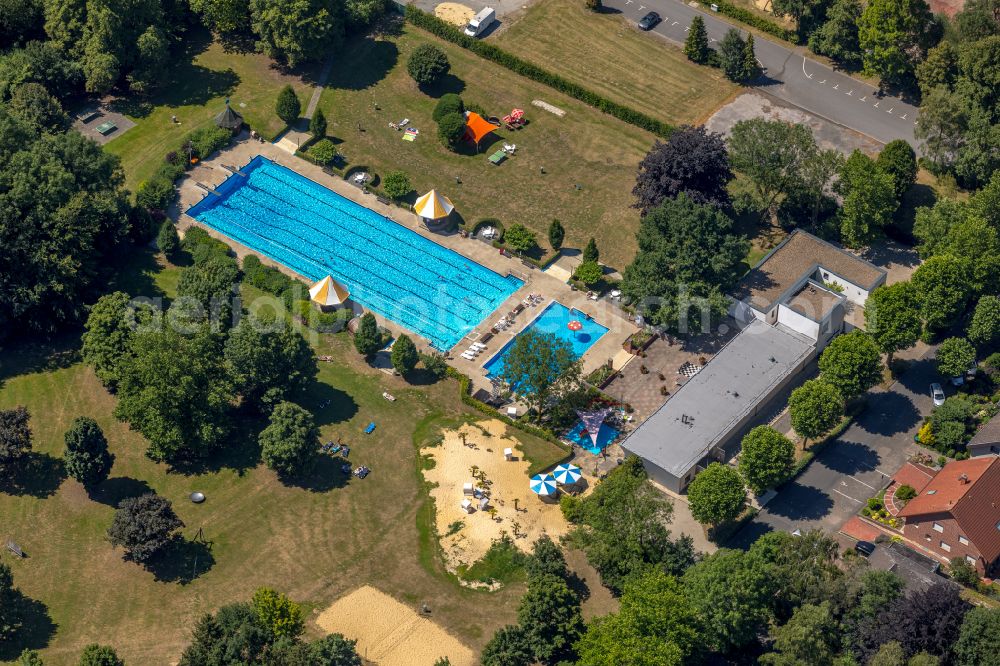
(589,273)
(963,573)
(519,238)
(317,124)
(746,16)
(287,106)
(451,129)
(396,184)
(593,5)
(556,235)
(155,194)
(323,151)
(905,493)
(449,103)
(427,64)
(207,140)
(167,239)
(203,247)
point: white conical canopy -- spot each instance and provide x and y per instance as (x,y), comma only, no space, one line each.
(329,292)
(433,206)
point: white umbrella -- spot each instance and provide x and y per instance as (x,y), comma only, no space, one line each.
(329,292)
(543,484)
(433,206)
(566,474)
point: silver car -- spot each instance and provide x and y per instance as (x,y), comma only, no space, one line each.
(937,394)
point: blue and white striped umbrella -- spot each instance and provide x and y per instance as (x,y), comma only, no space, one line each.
(566,474)
(543,484)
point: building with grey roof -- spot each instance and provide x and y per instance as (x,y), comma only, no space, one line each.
(703,418)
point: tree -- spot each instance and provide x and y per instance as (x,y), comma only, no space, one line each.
(984,329)
(209,287)
(11,620)
(100,655)
(143,526)
(942,285)
(108,336)
(268,361)
(30,658)
(556,235)
(590,252)
(731,593)
(294,32)
(817,171)
(749,69)
(654,626)
(317,124)
(804,569)
(367,339)
(449,103)
(550,615)
(224,16)
(892,318)
(693,161)
(894,35)
(877,590)
(539,366)
(174,389)
(771,154)
(978,641)
(427,64)
(869,200)
(288,106)
(696,43)
(955,356)
(335,650)
(451,129)
(941,126)
(167,239)
(766,458)
(815,407)
(809,637)
(87,457)
(233,630)
(899,161)
(397,184)
(323,151)
(546,559)
(404,355)
(290,443)
(688,257)
(281,615)
(15,437)
(508,647)
(589,273)
(716,495)
(33,104)
(837,38)
(621,527)
(852,363)
(519,238)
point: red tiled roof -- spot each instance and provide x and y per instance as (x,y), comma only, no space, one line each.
(914,475)
(969,490)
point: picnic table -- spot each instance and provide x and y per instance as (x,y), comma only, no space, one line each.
(106,128)
(498,157)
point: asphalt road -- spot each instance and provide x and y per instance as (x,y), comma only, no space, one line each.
(856,465)
(791,77)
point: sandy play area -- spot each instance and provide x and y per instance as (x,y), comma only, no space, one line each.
(390,633)
(454,13)
(508,481)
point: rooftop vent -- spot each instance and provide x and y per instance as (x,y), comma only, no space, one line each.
(963,479)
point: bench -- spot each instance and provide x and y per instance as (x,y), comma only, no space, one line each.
(86,116)
(107,128)
(383,200)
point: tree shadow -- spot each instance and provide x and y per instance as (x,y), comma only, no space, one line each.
(889,413)
(36,474)
(449,83)
(25,356)
(135,274)
(237,43)
(849,458)
(327,474)
(369,61)
(918,196)
(240,452)
(919,373)
(798,502)
(182,561)
(421,377)
(745,537)
(578,586)
(119,488)
(329,404)
(37,627)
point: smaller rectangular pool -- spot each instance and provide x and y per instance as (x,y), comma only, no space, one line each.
(605,436)
(554,319)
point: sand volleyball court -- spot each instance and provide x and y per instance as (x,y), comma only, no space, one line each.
(454,13)
(389,633)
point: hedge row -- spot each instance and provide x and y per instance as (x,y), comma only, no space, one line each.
(157,192)
(744,15)
(291,292)
(488,51)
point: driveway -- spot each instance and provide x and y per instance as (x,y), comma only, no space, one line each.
(857,464)
(791,77)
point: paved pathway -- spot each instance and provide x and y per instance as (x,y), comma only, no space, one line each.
(298,135)
(790,76)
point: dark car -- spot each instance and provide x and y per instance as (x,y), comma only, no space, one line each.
(865,548)
(649,21)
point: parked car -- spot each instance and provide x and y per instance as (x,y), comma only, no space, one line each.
(937,394)
(957,381)
(865,548)
(649,21)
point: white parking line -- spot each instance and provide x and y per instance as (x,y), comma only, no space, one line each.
(876,105)
(890,110)
(863,99)
(847,496)
(823,81)
(675,23)
(850,93)
(903,116)
(808,76)
(836,86)
(844,483)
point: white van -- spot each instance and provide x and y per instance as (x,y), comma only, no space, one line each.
(480,22)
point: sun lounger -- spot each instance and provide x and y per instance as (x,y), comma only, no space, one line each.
(468,357)
(370,429)
(479,346)
(388,396)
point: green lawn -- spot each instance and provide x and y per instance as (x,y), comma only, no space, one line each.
(369,88)
(607,54)
(314,542)
(200,82)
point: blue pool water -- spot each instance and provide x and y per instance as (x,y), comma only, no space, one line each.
(605,436)
(395,272)
(553,319)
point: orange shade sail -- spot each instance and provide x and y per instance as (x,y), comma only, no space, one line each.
(477,127)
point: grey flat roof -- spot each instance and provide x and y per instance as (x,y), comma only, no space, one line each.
(705,409)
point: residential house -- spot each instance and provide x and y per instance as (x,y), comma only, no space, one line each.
(986,442)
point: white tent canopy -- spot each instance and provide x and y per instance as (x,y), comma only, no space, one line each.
(329,292)
(433,206)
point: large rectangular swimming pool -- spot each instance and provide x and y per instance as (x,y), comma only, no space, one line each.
(393,271)
(555,319)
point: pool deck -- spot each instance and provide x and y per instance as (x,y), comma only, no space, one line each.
(211,173)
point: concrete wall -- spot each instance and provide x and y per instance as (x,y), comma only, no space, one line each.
(852,292)
(797,322)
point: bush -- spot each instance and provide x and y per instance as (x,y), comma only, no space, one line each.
(317,124)
(155,194)
(451,129)
(396,184)
(589,273)
(593,5)
(746,16)
(323,151)
(556,235)
(435,364)
(287,106)
(167,239)
(207,140)
(449,103)
(519,238)
(427,64)
(963,573)
(203,247)
(905,493)
(490,52)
